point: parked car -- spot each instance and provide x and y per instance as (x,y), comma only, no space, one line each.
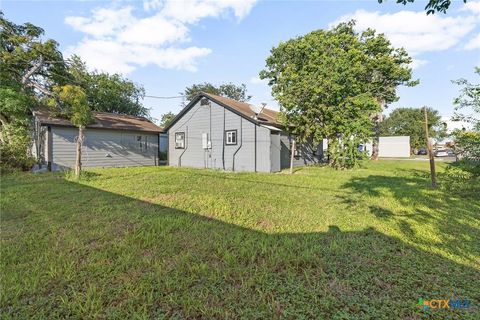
(422,151)
(441,153)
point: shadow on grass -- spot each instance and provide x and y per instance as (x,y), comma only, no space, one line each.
(454,220)
(92,253)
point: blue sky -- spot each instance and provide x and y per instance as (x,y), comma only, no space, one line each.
(167,45)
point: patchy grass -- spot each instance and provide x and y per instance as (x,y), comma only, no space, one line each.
(162,242)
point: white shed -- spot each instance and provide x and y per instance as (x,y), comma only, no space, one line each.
(394,147)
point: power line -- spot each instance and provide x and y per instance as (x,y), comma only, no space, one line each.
(159,97)
(67,61)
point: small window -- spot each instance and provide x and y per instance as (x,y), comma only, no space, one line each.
(180,140)
(231,137)
(142,142)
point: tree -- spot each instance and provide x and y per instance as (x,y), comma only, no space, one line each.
(432,5)
(409,122)
(330,83)
(71,102)
(14,134)
(166,118)
(467,146)
(229,90)
(108,92)
(469,99)
(28,62)
(387,69)
(30,66)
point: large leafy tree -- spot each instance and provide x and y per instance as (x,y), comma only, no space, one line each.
(108,92)
(410,122)
(229,90)
(467,104)
(30,66)
(330,83)
(432,6)
(29,63)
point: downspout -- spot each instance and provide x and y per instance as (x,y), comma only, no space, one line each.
(240,146)
(223,140)
(186,147)
(158,149)
(49,143)
(255,152)
(209,150)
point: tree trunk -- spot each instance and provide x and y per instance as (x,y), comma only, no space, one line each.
(433,174)
(78,162)
(3,125)
(377,118)
(292,156)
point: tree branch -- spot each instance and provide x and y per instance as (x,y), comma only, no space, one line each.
(32,70)
(39,88)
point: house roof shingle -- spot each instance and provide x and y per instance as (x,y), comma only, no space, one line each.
(102,120)
(267,116)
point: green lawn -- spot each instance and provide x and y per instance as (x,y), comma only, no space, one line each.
(162,242)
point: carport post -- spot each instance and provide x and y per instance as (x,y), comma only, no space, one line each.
(292,155)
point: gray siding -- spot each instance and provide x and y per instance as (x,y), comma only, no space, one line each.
(214,119)
(103,148)
(275,151)
(308,153)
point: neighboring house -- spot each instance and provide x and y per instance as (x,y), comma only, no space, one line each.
(220,133)
(112,140)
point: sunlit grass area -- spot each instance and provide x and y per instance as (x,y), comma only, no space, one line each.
(163,242)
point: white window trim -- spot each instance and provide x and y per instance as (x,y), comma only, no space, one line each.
(229,134)
(181,140)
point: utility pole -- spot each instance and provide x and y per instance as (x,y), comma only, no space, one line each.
(430,152)
(292,155)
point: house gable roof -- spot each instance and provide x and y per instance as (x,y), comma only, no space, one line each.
(267,116)
(102,120)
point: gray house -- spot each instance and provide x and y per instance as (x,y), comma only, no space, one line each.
(220,133)
(111,141)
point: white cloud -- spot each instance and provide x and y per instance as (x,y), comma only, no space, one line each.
(194,10)
(474,43)
(104,22)
(472,6)
(154,30)
(415,31)
(417,63)
(257,80)
(152,4)
(112,56)
(116,40)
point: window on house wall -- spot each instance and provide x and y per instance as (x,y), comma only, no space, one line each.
(180,140)
(231,137)
(141,142)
